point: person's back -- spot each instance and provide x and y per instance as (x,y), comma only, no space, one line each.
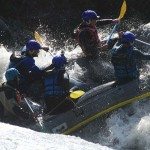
(56,85)
(124,58)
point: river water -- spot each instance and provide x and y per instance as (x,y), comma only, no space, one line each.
(126,128)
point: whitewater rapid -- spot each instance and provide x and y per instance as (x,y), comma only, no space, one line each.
(124,129)
(17,138)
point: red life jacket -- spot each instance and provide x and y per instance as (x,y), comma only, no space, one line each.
(89,28)
(19,96)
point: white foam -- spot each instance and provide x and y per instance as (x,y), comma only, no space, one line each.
(17,138)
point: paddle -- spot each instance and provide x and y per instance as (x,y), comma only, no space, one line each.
(122,13)
(142,42)
(76,94)
(39,38)
(33,113)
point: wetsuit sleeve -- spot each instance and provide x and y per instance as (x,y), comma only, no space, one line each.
(141,56)
(15,59)
(35,69)
(112,42)
(35,73)
(49,67)
(104,22)
(27,67)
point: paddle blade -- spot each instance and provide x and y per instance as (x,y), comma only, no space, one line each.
(123,10)
(38,38)
(76,94)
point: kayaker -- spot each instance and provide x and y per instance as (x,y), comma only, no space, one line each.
(10,94)
(125,58)
(87,35)
(57,86)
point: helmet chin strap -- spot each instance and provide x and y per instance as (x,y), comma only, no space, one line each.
(88,22)
(32,53)
(128,44)
(131,43)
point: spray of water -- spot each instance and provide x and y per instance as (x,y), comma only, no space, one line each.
(124,128)
(4,61)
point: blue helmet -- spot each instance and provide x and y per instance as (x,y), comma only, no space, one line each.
(59,61)
(33,45)
(128,37)
(11,74)
(89,15)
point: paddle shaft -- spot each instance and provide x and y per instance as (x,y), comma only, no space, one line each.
(113,30)
(50,112)
(142,42)
(121,15)
(32,111)
(51,53)
(28,105)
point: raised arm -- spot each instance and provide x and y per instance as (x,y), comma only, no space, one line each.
(141,56)
(106,21)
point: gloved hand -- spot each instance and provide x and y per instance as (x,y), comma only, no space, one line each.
(74,34)
(120,33)
(104,47)
(45,48)
(115,21)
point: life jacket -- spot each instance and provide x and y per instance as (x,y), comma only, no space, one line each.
(14,102)
(87,28)
(11,92)
(55,84)
(124,62)
(10,98)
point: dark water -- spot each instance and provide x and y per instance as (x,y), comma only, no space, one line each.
(60,17)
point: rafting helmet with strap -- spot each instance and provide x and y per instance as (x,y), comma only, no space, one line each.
(89,15)
(10,75)
(128,37)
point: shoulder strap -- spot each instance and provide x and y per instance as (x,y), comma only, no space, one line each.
(4,85)
(18,94)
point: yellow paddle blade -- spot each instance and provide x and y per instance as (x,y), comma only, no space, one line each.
(76,94)
(123,10)
(38,37)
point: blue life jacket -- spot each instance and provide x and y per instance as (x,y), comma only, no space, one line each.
(124,62)
(54,84)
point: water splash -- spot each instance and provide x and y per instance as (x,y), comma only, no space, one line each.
(129,128)
(4,61)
